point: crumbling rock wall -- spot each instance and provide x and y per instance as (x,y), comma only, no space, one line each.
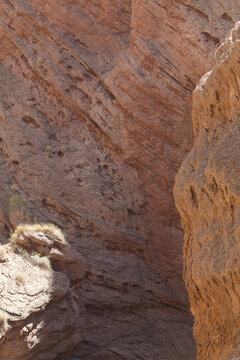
(95,103)
(207,193)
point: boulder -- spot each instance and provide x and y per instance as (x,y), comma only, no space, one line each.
(41,316)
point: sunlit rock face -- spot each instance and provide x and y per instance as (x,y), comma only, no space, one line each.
(207,193)
(95,104)
(41,315)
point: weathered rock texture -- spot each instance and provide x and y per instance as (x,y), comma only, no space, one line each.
(95,103)
(44,316)
(207,194)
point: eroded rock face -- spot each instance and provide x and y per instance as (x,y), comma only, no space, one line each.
(45,317)
(95,103)
(207,193)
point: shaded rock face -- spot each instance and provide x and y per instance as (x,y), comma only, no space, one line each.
(95,100)
(207,193)
(45,318)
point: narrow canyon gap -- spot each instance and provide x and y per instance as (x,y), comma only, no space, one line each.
(95,121)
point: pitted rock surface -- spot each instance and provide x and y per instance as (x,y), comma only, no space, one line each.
(207,193)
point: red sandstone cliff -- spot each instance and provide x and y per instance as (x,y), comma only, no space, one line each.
(95,104)
(207,195)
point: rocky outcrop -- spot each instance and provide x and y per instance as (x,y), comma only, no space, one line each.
(95,103)
(207,193)
(41,315)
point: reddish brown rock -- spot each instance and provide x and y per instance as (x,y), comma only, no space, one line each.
(207,194)
(94,122)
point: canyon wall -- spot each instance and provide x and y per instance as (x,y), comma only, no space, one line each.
(95,107)
(207,193)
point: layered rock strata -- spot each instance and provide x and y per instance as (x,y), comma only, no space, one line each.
(95,103)
(41,315)
(207,193)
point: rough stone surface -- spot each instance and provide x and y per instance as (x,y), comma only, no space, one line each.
(207,193)
(95,103)
(45,316)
